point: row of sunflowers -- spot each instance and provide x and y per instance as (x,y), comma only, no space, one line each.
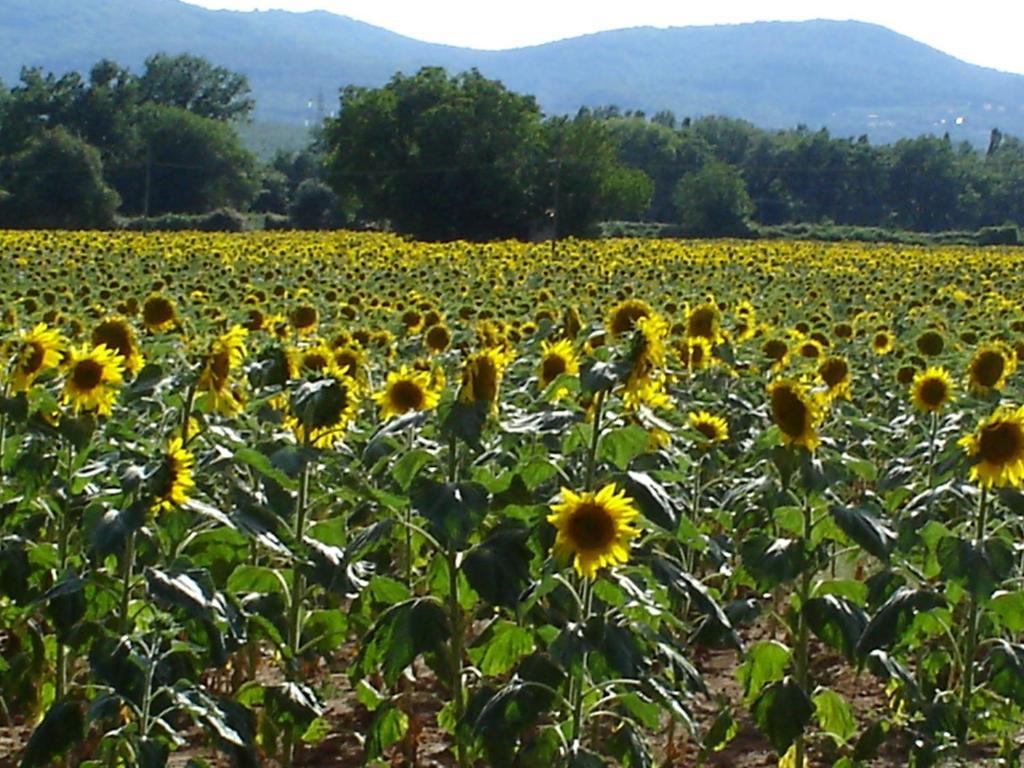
(503,500)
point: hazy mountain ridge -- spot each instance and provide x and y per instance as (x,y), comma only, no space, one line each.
(852,77)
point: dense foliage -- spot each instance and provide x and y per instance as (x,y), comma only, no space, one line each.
(926,184)
(444,157)
(245,475)
(159,140)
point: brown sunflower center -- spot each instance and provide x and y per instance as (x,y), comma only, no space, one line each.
(438,337)
(485,379)
(346,361)
(591,527)
(411,319)
(881,341)
(933,392)
(706,428)
(32,356)
(553,367)
(314,362)
(406,395)
(931,343)
(775,349)
(1001,442)
(625,318)
(789,411)
(833,371)
(157,311)
(87,375)
(304,317)
(254,321)
(701,323)
(166,478)
(220,367)
(988,368)
(115,335)
(905,375)
(809,350)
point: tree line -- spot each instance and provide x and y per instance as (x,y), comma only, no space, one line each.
(442,156)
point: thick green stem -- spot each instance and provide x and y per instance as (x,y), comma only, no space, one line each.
(298,580)
(186,413)
(455,617)
(588,483)
(933,433)
(297,597)
(689,561)
(578,682)
(455,614)
(63,539)
(972,626)
(802,662)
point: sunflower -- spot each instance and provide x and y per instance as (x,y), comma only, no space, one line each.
(173,481)
(92,377)
(159,313)
(694,353)
(318,358)
(594,528)
(931,389)
(556,358)
(351,360)
(647,354)
(437,338)
(834,372)
(323,410)
(36,351)
(713,428)
(705,322)
(810,349)
(118,335)
(624,315)
(746,321)
(990,367)
(997,449)
(795,412)
(648,393)
(777,351)
(226,354)
(412,322)
(905,375)
(931,343)
(407,390)
(572,323)
(304,319)
(883,342)
(481,376)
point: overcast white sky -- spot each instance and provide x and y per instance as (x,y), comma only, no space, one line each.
(988,33)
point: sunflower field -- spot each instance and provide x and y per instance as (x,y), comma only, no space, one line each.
(346,499)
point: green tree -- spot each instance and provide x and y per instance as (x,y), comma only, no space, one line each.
(39,101)
(713,201)
(439,157)
(194,84)
(185,164)
(662,153)
(584,171)
(314,206)
(56,182)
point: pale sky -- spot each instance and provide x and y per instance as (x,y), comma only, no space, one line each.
(986,33)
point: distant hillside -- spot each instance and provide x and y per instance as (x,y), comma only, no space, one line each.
(854,78)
